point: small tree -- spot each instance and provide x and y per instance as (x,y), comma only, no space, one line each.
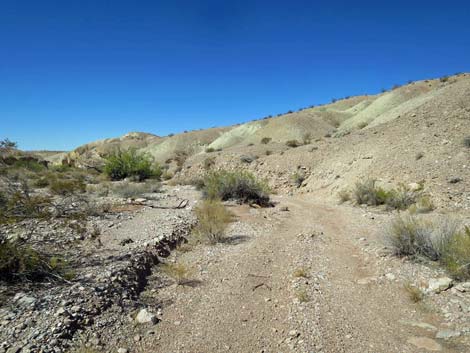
(6,144)
(130,163)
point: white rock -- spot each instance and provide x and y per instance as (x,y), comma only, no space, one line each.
(390,276)
(144,317)
(123,350)
(437,285)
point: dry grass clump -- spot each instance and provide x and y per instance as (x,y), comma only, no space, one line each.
(293,143)
(439,240)
(266,140)
(302,296)
(66,186)
(367,192)
(134,190)
(414,293)
(180,272)
(240,186)
(423,205)
(213,219)
(344,195)
(20,262)
(300,272)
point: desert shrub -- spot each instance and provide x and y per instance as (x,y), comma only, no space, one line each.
(42,182)
(209,163)
(438,240)
(7,144)
(247,159)
(466,141)
(344,195)
(423,205)
(298,178)
(302,295)
(266,140)
(268,152)
(134,190)
(293,143)
(213,219)
(362,125)
(21,262)
(444,79)
(400,198)
(240,186)
(180,272)
(29,164)
(210,149)
(414,293)
(180,158)
(367,192)
(130,163)
(419,155)
(300,272)
(307,138)
(66,186)
(166,175)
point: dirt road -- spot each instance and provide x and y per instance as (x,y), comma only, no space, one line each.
(251,294)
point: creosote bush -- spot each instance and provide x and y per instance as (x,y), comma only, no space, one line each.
(130,163)
(239,186)
(266,140)
(213,219)
(441,239)
(21,262)
(293,143)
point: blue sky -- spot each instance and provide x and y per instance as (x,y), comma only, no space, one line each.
(76,71)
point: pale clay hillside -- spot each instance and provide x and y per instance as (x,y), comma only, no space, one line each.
(336,228)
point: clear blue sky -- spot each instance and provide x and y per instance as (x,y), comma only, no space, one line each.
(76,71)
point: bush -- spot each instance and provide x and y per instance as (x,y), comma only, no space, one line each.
(128,190)
(401,198)
(466,141)
(293,143)
(344,195)
(180,272)
(368,193)
(20,262)
(266,140)
(240,186)
(298,178)
(268,152)
(166,175)
(7,144)
(438,240)
(131,164)
(210,149)
(247,159)
(213,219)
(66,186)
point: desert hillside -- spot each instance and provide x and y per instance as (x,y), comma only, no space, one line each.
(337,228)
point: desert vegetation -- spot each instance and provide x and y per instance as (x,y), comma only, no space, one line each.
(213,219)
(131,164)
(239,186)
(441,239)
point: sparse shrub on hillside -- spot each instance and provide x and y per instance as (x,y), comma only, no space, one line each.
(414,293)
(268,152)
(240,186)
(247,159)
(300,272)
(298,178)
(209,163)
(293,143)
(444,79)
(400,198)
(130,163)
(344,195)
(210,150)
(419,155)
(7,144)
(368,193)
(423,205)
(29,164)
(213,219)
(466,141)
(361,125)
(21,262)
(439,240)
(266,140)
(307,138)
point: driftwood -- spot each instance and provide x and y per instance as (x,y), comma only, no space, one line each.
(182,204)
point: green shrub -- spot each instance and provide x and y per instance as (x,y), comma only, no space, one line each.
(210,150)
(21,262)
(293,143)
(401,198)
(213,219)
(438,240)
(266,140)
(368,193)
(130,163)
(20,205)
(29,164)
(240,186)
